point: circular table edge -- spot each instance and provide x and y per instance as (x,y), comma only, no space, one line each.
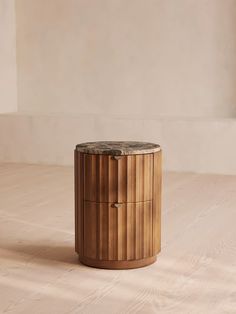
(118,152)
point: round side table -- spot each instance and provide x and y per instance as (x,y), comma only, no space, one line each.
(117,204)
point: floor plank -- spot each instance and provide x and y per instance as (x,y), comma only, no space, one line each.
(40,273)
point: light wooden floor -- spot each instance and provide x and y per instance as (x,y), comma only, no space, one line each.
(39,272)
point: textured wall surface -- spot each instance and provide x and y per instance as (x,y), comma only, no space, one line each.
(161,71)
(171,58)
(199,145)
(8,88)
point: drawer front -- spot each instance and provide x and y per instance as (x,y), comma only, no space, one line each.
(119,231)
(118,178)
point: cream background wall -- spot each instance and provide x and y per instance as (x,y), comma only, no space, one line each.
(196,145)
(152,70)
(158,57)
(8,86)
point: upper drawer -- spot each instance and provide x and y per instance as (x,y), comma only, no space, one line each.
(118,178)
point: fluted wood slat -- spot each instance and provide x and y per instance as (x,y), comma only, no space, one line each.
(131,180)
(79,201)
(103,196)
(90,230)
(128,179)
(147,232)
(157,182)
(139,174)
(130,231)
(112,234)
(76,200)
(112,180)
(123,233)
(103,231)
(147,175)
(139,233)
(122,180)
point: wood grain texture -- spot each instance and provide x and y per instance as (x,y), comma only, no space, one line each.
(194,273)
(130,232)
(157,190)
(79,201)
(128,179)
(123,233)
(76,173)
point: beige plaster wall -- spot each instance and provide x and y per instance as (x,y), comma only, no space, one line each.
(155,57)
(8,86)
(198,145)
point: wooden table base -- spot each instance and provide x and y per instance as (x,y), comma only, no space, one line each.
(118,264)
(117,206)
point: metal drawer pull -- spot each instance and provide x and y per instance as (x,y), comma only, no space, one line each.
(116,157)
(116,205)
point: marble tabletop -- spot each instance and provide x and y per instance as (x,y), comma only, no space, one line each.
(118,148)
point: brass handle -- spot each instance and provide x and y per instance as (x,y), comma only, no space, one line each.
(116,157)
(116,205)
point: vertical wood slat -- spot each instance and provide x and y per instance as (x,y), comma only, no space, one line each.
(128,179)
(112,183)
(139,234)
(157,184)
(76,201)
(122,180)
(123,233)
(113,234)
(90,230)
(131,180)
(79,202)
(147,176)
(99,173)
(103,194)
(103,247)
(130,231)
(147,232)
(139,174)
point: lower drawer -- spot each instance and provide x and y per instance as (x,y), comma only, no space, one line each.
(125,231)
